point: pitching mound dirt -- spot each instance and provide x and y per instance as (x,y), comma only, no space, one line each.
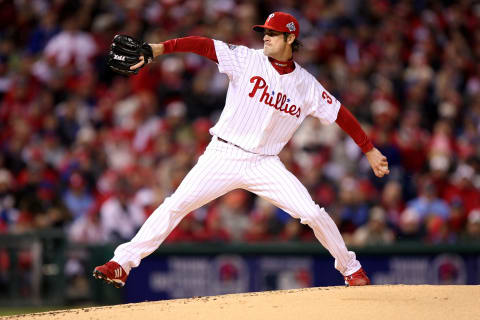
(373,302)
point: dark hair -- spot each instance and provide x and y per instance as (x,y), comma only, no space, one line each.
(296,43)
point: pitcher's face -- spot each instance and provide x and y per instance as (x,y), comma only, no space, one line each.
(273,43)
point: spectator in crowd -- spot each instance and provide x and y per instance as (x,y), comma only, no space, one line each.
(457,220)
(71,46)
(77,198)
(184,232)
(264,225)
(8,212)
(410,227)
(233,213)
(472,231)
(295,231)
(412,141)
(355,210)
(393,203)
(120,216)
(45,30)
(428,203)
(87,228)
(214,230)
(375,231)
(437,231)
(462,188)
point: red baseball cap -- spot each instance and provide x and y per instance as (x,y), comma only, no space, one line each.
(281,22)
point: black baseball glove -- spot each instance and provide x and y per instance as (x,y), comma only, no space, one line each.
(125,52)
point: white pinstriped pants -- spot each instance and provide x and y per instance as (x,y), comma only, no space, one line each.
(222,168)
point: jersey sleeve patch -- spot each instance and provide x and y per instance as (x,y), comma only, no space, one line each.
(231,58)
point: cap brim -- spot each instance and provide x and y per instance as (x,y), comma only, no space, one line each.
(260,28)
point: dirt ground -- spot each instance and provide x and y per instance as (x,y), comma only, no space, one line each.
(372,302)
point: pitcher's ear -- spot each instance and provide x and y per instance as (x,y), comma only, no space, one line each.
(290,38)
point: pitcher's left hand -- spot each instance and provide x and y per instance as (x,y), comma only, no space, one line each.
(378,162)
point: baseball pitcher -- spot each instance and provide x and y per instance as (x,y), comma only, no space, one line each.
(269,95)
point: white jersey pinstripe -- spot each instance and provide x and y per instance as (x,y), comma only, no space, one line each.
(263,108)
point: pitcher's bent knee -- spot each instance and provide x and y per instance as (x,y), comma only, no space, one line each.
(311,218)
(176,207)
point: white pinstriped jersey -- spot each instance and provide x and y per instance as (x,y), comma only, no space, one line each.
(264,108)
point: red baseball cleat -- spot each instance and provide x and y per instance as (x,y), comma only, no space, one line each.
(358,278)
(111,272)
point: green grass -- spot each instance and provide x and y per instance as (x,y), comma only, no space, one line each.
(7,311)
(11,311)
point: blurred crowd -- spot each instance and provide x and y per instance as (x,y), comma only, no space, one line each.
(94,153)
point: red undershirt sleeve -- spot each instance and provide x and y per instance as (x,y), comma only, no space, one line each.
(347,121)
(199,45)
